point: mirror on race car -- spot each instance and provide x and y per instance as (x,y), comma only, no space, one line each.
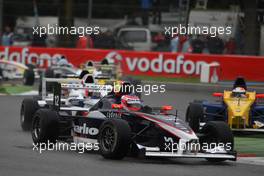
(259,95)
(166,108)
(117,106)
(217,94)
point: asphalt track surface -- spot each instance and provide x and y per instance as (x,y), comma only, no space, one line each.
(18,159)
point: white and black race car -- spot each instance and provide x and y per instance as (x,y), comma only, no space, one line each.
(121,125)
(73,95)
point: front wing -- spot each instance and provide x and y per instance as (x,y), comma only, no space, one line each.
(231,156)
(155,152)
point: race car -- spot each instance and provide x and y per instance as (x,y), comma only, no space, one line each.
(121,125)
(106,72)
(101,73)
(103,70)
(241,109)
(61,69)
(73,95)
(10,70)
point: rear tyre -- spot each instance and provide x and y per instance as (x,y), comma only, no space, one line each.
(28,108)
(194,115)
(45,126)
(49,73)
(218,132)
(29,77)
(114,139)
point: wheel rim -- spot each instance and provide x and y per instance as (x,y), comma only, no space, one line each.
(22,116)
(108,139)
(36,127)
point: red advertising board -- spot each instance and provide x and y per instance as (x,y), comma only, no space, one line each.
(163,64)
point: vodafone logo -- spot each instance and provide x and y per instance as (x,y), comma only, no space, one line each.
(24,56)
(159,64)
(113,56)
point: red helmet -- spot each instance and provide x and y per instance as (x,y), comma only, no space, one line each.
(131,102)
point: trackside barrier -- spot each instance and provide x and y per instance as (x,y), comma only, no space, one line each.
(163,64)
(210,73)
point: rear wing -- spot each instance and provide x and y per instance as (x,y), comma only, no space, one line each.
(60,84)
(106,67)
(73,84)
(55,80)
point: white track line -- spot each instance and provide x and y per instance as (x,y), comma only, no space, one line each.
(251,160)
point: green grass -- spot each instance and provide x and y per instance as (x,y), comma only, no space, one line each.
(250,145)
(14,89)
(167,79)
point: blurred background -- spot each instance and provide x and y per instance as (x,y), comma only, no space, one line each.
(137,24)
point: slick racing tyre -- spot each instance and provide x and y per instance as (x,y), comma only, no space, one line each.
(194,114)
(29,77)
(49,73)
(114,139)
(219,133)
(45,126)
(28,108)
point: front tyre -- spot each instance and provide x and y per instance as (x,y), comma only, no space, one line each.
(45,126)
(194,115)
(219,133)
(28,108)
(114,139)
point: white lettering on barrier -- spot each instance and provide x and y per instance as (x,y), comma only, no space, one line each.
(24,56)
(159,65)
(156,64)
(143,64)
(169,66)
(189,67)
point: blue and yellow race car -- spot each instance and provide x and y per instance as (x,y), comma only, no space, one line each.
(240,108)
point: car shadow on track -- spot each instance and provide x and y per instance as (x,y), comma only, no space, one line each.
(170,161)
